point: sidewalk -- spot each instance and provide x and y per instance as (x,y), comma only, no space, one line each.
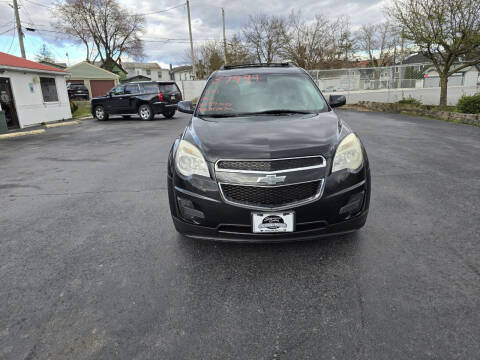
(40,129)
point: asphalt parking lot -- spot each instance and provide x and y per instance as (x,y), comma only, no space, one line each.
(92,268)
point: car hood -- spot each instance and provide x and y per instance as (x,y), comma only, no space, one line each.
(265,137)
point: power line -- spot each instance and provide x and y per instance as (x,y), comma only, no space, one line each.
(40,4)
(10,23)
(7,31)
(160,11)
(139,14)
(177,40)
(13,38)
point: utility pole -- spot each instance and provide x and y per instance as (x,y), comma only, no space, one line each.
(224,38)
(19,28)
(191,41)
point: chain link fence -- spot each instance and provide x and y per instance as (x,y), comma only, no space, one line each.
(389,77)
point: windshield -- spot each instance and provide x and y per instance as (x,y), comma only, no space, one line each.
(226,96)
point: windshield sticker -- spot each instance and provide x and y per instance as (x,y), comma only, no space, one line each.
(205,105)
(208,103)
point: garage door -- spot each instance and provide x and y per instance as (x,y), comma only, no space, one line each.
(101,87)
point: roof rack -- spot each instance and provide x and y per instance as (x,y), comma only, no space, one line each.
(243,66)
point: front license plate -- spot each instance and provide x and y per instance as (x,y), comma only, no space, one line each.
(273,222)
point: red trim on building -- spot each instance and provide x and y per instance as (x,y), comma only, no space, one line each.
(18,62)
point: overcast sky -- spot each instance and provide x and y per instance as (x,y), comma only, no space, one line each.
(172,24)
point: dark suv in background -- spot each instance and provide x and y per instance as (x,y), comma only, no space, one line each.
(143,98)
(77,91)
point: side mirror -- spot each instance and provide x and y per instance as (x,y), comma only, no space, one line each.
(186,107)
(337,100)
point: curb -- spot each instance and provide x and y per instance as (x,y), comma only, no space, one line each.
(21,133)
(64,123)
(468,119)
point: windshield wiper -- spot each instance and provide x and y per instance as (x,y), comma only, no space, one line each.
(220,115)
(280,111)
(266,112)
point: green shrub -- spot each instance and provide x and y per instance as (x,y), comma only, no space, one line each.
(73,106)
(469,104)
(411,101)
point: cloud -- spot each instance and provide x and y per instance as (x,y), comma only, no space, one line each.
(169,30)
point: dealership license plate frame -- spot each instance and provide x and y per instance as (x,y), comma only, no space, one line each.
(289,215)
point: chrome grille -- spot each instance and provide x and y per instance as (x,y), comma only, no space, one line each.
(271,196)
(271,165)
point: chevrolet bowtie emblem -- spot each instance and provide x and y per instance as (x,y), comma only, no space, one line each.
(271,179)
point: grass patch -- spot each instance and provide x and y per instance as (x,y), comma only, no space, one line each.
(82,109)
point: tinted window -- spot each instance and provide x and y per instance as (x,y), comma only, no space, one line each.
(49,89)
(131,89)
(77,87)
(260,92)
(118,90)
(150,88)
(168,88)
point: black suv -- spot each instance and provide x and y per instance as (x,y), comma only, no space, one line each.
(77,91)
(265,158)
(143,98)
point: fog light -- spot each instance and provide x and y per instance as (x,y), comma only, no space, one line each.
(354,205)
(188,211)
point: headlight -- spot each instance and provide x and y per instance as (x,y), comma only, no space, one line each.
(348,154)
(189,160)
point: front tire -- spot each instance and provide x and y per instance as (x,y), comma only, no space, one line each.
(169,114)
(100,113)
(145,112)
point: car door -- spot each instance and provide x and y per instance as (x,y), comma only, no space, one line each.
(113,101)
(129,104)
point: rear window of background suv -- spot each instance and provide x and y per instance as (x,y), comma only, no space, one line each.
(163,88)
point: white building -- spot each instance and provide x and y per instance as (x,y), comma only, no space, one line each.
(32,93)
(151,70)
(182,73)
(469,76)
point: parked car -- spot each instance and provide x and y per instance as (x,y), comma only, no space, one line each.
(77,91)
(143,98)
(265,158)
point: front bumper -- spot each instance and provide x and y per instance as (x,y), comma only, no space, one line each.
(220,233)
(212,218)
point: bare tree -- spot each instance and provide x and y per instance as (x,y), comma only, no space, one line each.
(266,36)
(367,41)
(307,44)
(388,42)
(346,43)
(446,32)
(237,51)
(380,41)
(319,43)
(208,58)
(44,54)
(107,30)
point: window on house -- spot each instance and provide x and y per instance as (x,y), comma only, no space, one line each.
(149,71)
(49,89)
